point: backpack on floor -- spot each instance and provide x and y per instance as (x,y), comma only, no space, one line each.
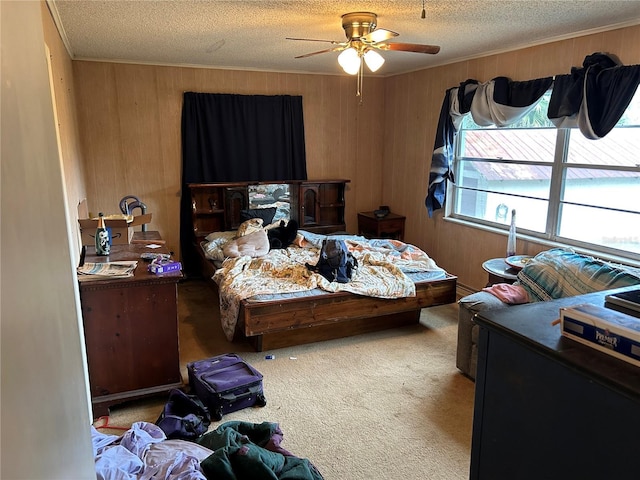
(336,263)
(184,416)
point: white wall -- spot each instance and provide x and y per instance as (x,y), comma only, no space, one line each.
(44,401)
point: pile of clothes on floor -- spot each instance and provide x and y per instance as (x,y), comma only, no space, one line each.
(233,451)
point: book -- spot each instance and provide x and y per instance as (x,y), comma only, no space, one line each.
(627,302)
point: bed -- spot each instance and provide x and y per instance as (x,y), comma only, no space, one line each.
(275,301)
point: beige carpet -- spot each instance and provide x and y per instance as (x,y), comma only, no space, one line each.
(387,405)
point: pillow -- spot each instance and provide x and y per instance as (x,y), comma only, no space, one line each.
(214,244)
(255,244)
(249,226)
(266,214)
(220,236)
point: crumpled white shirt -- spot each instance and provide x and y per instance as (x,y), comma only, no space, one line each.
(144,453)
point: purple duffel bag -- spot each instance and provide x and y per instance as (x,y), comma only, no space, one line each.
(225,384)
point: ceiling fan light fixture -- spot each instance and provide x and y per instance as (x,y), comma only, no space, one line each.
(364,40)
(373,60)
(349,60)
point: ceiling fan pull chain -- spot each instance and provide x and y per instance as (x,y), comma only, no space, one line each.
(424,13)
(360,75)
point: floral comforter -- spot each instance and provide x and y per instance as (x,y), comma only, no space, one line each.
(382,269)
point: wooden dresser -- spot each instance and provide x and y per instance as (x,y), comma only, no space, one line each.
(131,331)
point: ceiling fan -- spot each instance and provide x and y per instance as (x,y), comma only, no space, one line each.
(363,39)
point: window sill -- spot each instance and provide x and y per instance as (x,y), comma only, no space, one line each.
(606,256)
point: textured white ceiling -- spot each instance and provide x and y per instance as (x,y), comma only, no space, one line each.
(251,34)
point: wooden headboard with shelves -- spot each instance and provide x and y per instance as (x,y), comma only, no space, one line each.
(317,205)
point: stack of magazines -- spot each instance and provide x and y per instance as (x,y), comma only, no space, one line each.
(106,270)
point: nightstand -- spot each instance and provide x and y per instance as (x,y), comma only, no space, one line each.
(389,226)
(499,271)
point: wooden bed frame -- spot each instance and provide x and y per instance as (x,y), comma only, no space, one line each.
(294,321)
(278,323)
(275,324)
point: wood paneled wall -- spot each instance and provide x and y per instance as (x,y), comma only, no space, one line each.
(129,117)
(129,127)
(413,105)
(61,73)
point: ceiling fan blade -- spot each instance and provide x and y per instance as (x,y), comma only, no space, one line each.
(410,47)
(314,40)
(378,35)
(319,52)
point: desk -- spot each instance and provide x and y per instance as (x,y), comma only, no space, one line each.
(389,226)
(547,407)
(131,331)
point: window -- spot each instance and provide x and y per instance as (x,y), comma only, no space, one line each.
(564,187)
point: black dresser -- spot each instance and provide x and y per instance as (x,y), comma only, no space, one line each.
(547,407)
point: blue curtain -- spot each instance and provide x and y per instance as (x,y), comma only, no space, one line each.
(592,98)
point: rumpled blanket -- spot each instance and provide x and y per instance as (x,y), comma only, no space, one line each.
(143,453)
(243,450)
(381,273)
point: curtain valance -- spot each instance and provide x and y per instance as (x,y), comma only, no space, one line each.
(592,98)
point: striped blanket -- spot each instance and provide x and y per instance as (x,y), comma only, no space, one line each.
(559,273)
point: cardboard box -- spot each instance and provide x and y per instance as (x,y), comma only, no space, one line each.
(604,329)
(120,230)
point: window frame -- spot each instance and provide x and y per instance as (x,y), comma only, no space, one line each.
(559,168)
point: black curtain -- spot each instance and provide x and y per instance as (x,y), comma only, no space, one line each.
(594,97)
(229,138)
